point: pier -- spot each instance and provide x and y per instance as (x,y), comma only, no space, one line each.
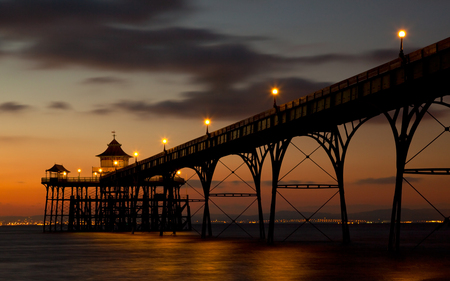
(126,198)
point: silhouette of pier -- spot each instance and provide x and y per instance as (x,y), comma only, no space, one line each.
(402,90)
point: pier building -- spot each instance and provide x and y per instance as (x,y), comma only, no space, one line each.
(88,204)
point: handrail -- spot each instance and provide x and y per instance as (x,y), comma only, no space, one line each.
(70,179)
(306,105)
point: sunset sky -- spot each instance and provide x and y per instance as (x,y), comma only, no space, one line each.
(73,71)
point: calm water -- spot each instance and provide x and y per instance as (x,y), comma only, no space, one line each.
(28,254)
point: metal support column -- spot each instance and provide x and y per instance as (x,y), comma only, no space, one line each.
(335,143)
(277,151)
(205,172)
(254,161)
(410,119)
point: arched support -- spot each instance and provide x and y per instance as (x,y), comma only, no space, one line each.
(254,161)
(277,151)
(335,143)
(167,211)
(409,118)
(205,172)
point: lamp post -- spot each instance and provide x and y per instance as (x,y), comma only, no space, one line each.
(207,122)
(135,156)
(79,173)
(115,165)
(164,141)
(401,34)
(274,93)
(100,171)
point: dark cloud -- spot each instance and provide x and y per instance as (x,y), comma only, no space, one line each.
(379,181)
(126,35)
(13,107)
(227,104)
(102,111)
(208,57)
(122,35)
(59,105)
(104,80)
(24,16)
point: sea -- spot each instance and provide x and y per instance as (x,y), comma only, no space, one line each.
(309,252)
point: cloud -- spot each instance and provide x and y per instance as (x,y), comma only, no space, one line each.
(387,180)
(13,107)
(42,15)
(139,36)
(59,105)
(103,80)
(102,111)
(17,140)
(130,36)
(226,104)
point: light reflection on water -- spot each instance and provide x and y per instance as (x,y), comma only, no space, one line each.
(28,254)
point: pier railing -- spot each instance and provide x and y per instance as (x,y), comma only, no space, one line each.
(71,180)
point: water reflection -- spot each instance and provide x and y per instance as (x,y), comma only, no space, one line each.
(32,255)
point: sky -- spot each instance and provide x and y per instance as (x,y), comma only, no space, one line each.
(74,71)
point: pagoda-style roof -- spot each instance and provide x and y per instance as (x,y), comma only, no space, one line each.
(114,149)
(57,169)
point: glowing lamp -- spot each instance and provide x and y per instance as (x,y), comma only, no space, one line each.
(275,93)
(401,34)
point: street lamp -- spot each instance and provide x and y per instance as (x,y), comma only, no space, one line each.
(164,141)
(115,165)
(100,171)
(79,173)
(135,156)
(274,93)
(401,34)
(207,122)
